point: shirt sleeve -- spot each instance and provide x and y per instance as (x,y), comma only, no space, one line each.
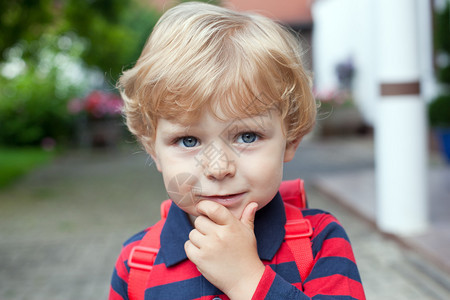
(119,280)
(334,273)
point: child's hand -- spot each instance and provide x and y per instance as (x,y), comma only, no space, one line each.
(224,249)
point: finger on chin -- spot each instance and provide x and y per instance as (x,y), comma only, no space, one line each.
(217,213)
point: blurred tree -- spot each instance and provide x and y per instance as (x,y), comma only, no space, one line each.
(52,51)
(113,30)
(23,20)
(112,38)
(55,50)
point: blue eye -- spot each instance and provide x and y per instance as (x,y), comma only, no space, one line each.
(188,141)
(247,137)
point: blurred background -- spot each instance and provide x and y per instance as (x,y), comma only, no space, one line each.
(74,184)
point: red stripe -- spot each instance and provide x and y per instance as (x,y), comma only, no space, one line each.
(121,270)
(336,247)
(334,285)
(319,222)
(283,255)
(264,284)
(113,295)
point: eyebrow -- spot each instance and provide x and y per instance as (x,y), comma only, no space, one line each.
(261,121)
(175,128)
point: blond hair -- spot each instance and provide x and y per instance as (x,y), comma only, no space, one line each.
(204,56)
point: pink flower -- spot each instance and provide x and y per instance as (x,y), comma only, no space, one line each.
(97,104)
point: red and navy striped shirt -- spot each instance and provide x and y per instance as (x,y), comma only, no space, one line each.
(334,274)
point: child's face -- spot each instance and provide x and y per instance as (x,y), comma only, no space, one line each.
(232,162)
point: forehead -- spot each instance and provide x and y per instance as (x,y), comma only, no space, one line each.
(242,115)
(224,108)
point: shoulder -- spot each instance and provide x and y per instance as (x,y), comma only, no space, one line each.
(136,238)
(328,234)
(321,220)
(119,280)
(131,242)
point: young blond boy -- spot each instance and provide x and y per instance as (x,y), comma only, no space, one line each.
(220,100)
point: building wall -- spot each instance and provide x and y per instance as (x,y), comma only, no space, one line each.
(285,11)
(347,30)
(343,32)
(293,13)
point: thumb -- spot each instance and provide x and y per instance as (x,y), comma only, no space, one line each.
(248,215)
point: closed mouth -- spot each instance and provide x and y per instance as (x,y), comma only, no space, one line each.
(224,199)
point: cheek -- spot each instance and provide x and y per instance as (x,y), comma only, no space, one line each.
(268,161)
(179,175)
(172,164)
(182,189)
(265,170)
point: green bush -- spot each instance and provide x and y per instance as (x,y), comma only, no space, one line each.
(439,111)
(30,112)
(51,54)
(34,98)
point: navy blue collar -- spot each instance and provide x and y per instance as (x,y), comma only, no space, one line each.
(269,232)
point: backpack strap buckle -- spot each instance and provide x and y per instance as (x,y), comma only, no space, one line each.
(298,229)
(142,258)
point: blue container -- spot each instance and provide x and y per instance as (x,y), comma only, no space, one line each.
(443,135)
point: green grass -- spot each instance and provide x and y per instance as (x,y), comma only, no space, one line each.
(15,162)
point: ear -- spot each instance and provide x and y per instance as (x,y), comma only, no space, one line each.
(291,147)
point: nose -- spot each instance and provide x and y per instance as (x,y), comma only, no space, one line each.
(218,162)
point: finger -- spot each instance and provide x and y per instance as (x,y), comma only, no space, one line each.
(248,215)
(215,212)
(191,250)
(204,225)
(196,238)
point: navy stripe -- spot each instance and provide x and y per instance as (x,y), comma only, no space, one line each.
(186,289)
(313,212)
(119,285)
(280,289)
(136,237)
(127,266)
(329,266)
(209,289)
(332,230)
(288,271)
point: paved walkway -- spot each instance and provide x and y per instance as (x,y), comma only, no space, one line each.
(61,227)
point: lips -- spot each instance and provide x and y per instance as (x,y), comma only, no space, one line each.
(225,200)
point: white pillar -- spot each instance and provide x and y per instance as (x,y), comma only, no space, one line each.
(400,133)
(428,83)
